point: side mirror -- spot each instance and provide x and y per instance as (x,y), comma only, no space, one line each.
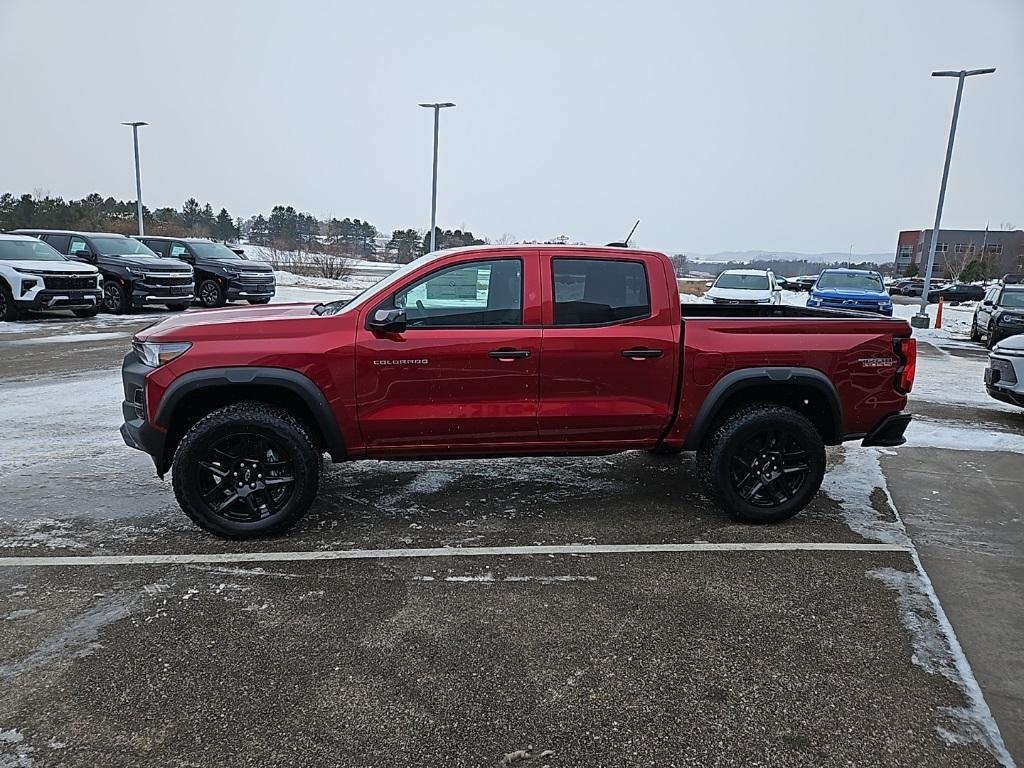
(987,303)
(83,255)
(387,321)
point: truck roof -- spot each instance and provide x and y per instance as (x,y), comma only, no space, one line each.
(70,232)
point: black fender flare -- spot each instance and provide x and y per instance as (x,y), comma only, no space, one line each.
(281,378)
(748,378)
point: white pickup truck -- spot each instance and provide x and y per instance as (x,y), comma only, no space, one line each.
(34,277)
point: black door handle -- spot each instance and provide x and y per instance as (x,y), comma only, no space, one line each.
(508,354)
(639,353)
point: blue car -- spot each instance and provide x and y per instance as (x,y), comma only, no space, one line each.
(858,289)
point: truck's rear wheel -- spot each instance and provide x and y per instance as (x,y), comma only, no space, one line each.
(763,464)
(246,471)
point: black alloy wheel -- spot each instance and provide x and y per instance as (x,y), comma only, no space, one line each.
(7,309)
(246,477)
(770,469)
(246,471)
(114,298)
(210,294)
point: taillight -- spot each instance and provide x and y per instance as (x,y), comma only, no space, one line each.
(907,351)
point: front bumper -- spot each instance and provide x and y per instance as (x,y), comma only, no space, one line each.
(871,307)
(239,291)
(144,294)
(57,299)
(136,431)
(1004,379)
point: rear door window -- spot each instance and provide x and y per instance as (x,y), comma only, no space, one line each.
(599,291)
(57,242)
(159,246)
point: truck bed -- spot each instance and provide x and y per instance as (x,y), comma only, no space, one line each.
(774,311)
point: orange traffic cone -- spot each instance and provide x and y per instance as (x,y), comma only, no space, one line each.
(938,314)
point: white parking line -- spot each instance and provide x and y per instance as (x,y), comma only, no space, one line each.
(378,554)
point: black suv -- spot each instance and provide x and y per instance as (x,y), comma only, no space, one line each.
(133,276)
(222,275)
(1000,314)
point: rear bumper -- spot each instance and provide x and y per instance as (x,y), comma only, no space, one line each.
(136,431)
(889,433)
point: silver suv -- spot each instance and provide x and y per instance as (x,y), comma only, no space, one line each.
(1004,377)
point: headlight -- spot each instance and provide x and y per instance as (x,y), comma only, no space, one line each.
(154,354)
(764,301)
(1010,317)
(99,281)
(134,271)
(885,305)
(813,302)
(231,273)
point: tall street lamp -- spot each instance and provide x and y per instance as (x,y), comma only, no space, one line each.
(138,176)
(433,186)
(920,320)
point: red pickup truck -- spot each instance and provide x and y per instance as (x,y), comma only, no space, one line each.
(509,351)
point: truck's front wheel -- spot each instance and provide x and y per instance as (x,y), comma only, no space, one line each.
(246,471)
(763,464)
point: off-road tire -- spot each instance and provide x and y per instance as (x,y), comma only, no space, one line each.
(8,311)
(246,418)
(975,333)
(210,294)
(715,460)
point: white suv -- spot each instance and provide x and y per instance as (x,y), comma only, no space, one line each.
(745,286)
(1004,377)
(33,276)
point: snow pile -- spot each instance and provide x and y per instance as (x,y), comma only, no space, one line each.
(925,433)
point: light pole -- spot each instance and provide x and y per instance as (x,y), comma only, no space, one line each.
(433,186)
(920,320)
(138,176)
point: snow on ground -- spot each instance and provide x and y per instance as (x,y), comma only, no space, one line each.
(267,254)
(72,338)
(34,412)
(926,433)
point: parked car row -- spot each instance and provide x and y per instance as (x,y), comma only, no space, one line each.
(88,271)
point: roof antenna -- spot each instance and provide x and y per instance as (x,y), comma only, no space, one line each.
(625,243)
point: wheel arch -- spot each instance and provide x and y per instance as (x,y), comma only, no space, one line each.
(807,390)
(196,394)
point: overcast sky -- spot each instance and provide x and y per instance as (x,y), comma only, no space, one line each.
(807,126)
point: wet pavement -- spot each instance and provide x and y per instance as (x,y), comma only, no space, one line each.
(686,658)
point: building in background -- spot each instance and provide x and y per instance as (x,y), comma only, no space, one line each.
(1003,250)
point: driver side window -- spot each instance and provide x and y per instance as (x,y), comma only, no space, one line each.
(468,295)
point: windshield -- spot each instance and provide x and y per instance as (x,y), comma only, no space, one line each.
(742,282)
(27,250)
(1012,299)
(213,251)
(121,246)
(855,281)
(344,305)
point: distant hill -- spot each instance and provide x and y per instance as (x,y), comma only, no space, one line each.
(827,258)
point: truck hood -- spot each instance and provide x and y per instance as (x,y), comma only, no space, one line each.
(151,263)
(850,294)
(741,294)
(63,267)
(180,327)
(244,265)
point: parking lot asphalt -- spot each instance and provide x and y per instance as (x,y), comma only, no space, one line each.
(720,657)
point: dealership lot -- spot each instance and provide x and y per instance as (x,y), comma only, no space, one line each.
(410,619)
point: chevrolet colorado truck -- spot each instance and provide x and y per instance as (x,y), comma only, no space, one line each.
(509,351)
